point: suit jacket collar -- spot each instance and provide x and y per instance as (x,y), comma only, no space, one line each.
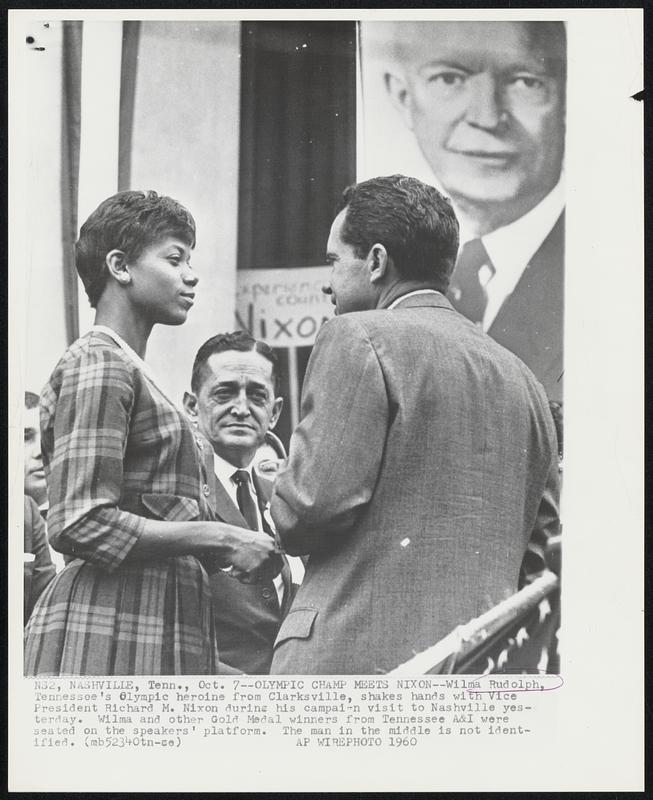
(224,507)
(420,300)
(262,487)
(219,499)
(219,502)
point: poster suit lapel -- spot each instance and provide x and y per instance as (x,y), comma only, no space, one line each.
(530,322)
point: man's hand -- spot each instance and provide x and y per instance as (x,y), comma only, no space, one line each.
(256,558)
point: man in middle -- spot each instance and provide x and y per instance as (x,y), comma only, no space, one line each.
(233,404)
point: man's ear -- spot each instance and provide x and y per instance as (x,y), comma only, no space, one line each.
(397,89)
(116,262)
(377,262)
(276,411)
(190,404)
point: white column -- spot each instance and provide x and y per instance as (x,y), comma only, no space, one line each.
(100,119)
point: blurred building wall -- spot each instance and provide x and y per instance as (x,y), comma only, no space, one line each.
(185,144)
(36,236)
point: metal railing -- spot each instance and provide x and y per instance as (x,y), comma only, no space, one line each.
(496,641)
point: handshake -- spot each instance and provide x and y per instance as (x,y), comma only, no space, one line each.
(249,556)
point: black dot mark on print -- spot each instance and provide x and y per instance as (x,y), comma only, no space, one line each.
(30,40)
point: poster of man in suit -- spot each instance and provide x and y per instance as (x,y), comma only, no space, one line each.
(477,108)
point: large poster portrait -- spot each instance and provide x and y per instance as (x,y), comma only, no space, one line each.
(477,108)
(291,512)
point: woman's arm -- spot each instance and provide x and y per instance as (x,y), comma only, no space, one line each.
(253,555)
(85,450)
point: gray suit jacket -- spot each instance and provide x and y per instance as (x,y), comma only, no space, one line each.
(423,468)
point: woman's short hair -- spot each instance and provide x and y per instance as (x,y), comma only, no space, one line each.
(412,220)
(128,221)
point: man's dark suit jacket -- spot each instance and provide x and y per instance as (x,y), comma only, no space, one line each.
(530,321)
(39,571)
(247,616)
(423,469)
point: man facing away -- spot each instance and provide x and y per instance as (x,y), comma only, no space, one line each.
(486,102)
(234,403)
(424,467)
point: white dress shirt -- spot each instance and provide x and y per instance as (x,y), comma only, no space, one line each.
(224,472)
(511,248)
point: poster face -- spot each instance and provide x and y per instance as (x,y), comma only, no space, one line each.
(478,109)
(383,732)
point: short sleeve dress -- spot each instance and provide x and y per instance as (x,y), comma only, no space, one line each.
(117,451)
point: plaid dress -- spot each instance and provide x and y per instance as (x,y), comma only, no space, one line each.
(116,451)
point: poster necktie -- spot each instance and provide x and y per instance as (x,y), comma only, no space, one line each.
(466,292)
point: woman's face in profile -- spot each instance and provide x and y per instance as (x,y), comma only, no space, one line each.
(162,281)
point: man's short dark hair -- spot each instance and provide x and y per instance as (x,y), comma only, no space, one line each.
(412,220)
(223,342)
(128,221)
(31,400)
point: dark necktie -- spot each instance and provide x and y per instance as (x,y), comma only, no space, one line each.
(466,293)
(244,498)
(248,510)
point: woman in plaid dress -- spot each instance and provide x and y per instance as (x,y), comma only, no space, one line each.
(124,482)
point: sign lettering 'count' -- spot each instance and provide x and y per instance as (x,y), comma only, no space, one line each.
(283,307)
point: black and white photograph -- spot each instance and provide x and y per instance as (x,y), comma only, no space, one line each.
(319,356)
